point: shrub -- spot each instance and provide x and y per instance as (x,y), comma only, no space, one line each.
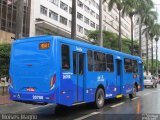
(4,59)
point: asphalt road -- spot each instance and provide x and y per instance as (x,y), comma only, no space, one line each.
(145,105)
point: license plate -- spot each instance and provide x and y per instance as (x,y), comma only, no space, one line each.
(30,89)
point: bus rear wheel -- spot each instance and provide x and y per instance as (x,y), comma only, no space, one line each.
(99,100)
(133,94)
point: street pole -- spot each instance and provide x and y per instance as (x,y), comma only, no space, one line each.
(152,57)
(100,24)
(120,33)
(156,39)
(147,54)
(132,36)
(19,19)
(74,19)
(156,58)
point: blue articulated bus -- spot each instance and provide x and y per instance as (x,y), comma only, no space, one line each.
(52,69)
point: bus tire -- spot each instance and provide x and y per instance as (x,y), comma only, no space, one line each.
(99,98)
(133,94)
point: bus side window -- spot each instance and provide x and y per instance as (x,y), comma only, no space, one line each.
(81,64)
(90,60)
(65,57)
(135,66)
(99,61)
(110,63)
(128,65)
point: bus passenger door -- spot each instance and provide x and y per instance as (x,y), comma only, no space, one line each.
(119,76)
(78,74)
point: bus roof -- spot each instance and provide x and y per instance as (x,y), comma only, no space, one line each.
(68,40)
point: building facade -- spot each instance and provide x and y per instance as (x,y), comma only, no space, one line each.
(111,21)
(54,17)
(8,10)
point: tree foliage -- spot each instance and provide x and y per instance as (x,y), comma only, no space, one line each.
(4,59)
(111,40)
(150,66)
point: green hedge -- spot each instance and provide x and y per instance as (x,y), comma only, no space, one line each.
(4,59)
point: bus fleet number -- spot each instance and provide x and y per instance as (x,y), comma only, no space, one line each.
(36,97)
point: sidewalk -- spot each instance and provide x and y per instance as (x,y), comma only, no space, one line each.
(4,99)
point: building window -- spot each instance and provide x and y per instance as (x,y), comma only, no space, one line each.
(63,20)
(92,24)
(70,23)
(85,31)
(104,8)
(80,29)
(56,2)
(93,13)
(97,27)
(80,4)
(93,2)
(65,57)
(128,65)
(90,60)
(87,9)
(64,6)
(70,10)
(86,20)
(99,61)
(80,16)
(43,10)
(97,16)
(110,63)
(135,66)
(97,6)
(53,15)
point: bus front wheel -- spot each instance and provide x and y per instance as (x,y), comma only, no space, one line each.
(133,94)
(99,100)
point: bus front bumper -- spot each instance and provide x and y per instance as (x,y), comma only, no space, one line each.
(32,97)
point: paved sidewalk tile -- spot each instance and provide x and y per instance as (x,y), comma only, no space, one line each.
(4,96)
(4,100)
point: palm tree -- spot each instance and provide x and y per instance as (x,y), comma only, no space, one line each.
(141,6)
(100,23)
(154,31)
(74,19)
(119,4)
(130,10)
(148,18)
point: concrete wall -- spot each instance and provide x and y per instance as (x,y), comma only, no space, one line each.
(5,37)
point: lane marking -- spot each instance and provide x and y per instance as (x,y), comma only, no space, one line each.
(150,93)
(40,106)
(117,104)
(135,98)
(146,94)
(86,116)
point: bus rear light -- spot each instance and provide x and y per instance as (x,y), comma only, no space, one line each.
(10,81)
(53,80)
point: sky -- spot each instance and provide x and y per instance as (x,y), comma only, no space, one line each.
(157,6)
